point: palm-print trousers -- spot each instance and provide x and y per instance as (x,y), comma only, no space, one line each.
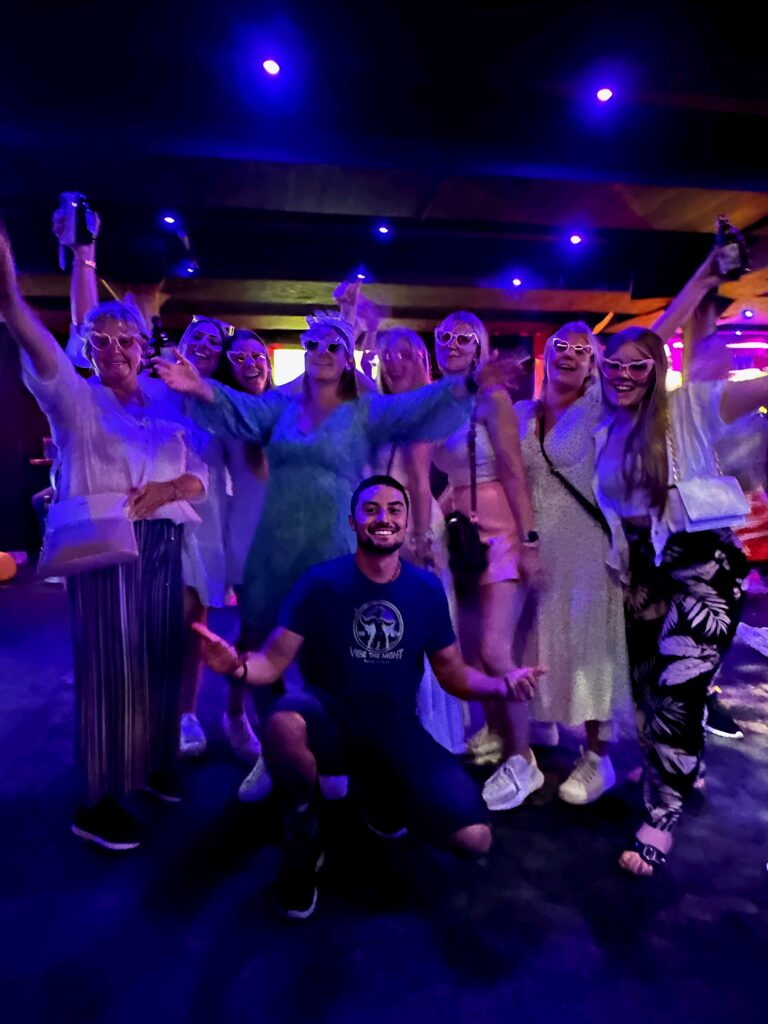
(681,617)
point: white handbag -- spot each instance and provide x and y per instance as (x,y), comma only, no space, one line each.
(708,502)
(89,532)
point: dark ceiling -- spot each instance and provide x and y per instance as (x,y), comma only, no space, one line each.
(471,128)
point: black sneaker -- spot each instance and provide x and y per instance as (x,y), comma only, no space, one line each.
(165,786)
(718,722)
(296,888)
(108,825)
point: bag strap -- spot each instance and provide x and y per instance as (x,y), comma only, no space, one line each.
(589,507)
(472,449)
(391,459)
(674,457)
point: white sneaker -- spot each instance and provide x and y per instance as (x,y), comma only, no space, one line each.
(592,775)
(192,742)
(241,736)
(257,785)
(333,787)
(484,747)
(511,783)
(544,734)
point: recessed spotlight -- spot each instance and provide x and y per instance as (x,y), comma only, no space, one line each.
(575,239)
(749,314)
(516,282)
(383,229)
(169,219)
(271,67)
(604,94)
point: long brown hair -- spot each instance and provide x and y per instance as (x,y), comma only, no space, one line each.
(645,462)
(255,456)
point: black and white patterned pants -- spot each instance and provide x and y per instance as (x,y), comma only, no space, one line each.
(681,618)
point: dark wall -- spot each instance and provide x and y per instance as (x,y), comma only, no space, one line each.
(22,428)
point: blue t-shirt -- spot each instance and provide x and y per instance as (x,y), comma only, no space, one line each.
(365,642)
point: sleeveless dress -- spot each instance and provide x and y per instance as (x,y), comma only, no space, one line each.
(578,633)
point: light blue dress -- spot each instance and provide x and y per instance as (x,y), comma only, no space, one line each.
(312,475)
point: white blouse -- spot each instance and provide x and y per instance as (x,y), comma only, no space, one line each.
(106,447)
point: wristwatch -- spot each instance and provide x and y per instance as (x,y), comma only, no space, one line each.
(531,538)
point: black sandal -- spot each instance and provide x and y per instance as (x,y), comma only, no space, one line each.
(650,854)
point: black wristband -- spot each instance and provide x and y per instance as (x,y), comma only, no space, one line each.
(471,384)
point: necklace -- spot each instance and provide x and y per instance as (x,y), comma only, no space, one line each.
(396,573)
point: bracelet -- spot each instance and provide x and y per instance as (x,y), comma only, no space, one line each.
(79,261)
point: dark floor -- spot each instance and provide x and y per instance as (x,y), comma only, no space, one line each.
(182,929)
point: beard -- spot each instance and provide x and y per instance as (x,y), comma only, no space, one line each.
(368,544)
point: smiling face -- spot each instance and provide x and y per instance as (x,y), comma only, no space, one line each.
(250,365)
(202,345)
(115,348)
(457,346)
(326,355)
(402,366)
(568,362)
(628,374)
(380,519)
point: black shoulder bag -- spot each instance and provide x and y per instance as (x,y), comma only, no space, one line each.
(589,507)
(467,553)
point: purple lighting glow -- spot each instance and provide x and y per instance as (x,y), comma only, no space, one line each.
(271,67)
(604,94)
(575,239)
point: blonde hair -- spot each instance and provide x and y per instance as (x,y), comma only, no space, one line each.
(581,330)
(391,337)
(476,325)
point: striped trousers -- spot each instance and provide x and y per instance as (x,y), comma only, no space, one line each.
(127,638)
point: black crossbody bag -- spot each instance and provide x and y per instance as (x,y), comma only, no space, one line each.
(467,553)
(589,507)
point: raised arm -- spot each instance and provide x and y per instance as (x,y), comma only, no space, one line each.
(469,683)
(28,331)
(84,285)
(685,303)
(256,668)
(219,409)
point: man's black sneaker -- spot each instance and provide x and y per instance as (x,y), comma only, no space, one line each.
(165,786)
(108,825)
(718,722)
(296,888)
